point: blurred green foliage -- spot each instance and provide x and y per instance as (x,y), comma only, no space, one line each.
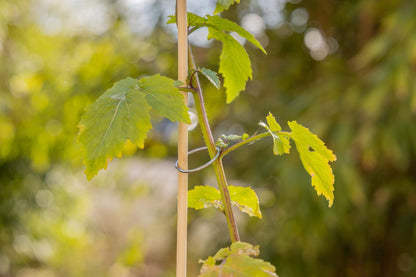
(345,69)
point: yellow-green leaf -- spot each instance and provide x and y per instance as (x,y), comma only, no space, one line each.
(281,144)
(223,5)
(315,157)
(235,64)
(237,261)
(212,76)
(192,19)
(222,24)
(244,198)
(202,197)
(271,121)
(121,114)
(164,97)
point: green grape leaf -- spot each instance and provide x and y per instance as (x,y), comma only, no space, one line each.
(235,64)
(172,19)
(222,24)
(121,114)
(202,197)
(178,83)
(164,97)
(212,76)
(193,20)
(223,5)
(244,198)
(274,126)
(315,157)
(237,261)
(281,144)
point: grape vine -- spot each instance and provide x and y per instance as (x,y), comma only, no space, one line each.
(122,115)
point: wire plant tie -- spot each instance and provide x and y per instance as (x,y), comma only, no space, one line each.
(202,166)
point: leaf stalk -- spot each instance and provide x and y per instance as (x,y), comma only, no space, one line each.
(248,140)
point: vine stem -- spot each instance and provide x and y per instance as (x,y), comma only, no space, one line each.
(248,140)
(218,166)
(182,209)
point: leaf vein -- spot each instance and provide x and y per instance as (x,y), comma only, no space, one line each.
(114,116)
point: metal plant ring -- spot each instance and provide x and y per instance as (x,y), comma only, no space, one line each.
(202,166)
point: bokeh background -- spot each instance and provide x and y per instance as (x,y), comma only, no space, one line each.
(345,69)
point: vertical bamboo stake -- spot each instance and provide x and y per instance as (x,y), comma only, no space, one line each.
(181,239)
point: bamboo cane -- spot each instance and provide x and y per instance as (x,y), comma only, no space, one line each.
(181,241)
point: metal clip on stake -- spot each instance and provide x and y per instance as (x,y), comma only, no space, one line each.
(202,166)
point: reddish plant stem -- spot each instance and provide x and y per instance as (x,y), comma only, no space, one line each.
(209,141)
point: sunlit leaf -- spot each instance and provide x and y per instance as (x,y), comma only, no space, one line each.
(122,114)
(201,197)
(164,97)
(212,76)
(223,5)
(237,261)
(178,83)
(315,157)
(244,198)
(193,19)
(222,24)
(271,121)
(235,64)
(281,144)
(171,20)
